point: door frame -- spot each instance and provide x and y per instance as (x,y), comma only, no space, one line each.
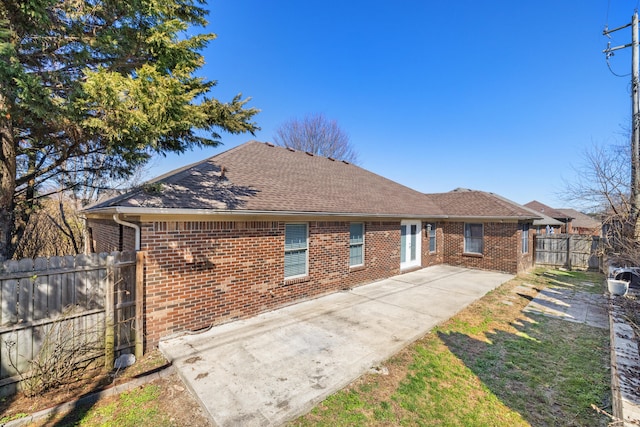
(417,262)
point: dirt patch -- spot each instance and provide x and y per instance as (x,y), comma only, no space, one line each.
(175,400)
(630,305)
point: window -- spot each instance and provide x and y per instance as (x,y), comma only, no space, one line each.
(473,238)
(356,244)
(431,234)
(295,250)
(525,238)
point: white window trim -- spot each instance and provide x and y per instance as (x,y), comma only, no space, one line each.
(525,248)
(431,226)
(464,235)
(306,268)
(357,244)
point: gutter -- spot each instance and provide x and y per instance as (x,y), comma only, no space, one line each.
(136,227)
(220,212)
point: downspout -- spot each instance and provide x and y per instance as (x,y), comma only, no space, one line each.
(136,227)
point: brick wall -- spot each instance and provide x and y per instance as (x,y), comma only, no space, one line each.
(501,247)
(107,236)
(203,273)
(432,258)
(525,260)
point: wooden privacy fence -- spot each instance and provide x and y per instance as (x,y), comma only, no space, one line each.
(567,250)
(94,297)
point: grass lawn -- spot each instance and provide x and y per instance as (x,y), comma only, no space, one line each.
(490,365)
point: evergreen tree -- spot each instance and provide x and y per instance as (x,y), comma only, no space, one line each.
(95,88)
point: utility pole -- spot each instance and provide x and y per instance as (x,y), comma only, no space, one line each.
(635,119)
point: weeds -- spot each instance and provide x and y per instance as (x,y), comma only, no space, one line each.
(65,353)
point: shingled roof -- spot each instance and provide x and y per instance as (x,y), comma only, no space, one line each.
(258,177)
(466,203)
(548,210)
(581,220)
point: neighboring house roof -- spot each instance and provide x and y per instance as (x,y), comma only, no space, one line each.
(548,210)
(466,203)
(258,177)
(547,220)
(581,220)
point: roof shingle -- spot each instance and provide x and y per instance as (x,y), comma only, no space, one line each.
(547,210)
(261,177)
(258,177)
(463,202)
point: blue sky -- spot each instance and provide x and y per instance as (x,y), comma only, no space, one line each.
(501,96)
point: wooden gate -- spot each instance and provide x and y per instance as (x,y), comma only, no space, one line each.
(567,250)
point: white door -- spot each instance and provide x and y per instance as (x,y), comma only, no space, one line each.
(410,244)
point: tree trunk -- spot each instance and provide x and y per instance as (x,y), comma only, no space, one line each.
(7,183)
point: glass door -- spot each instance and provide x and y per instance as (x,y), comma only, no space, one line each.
(410,244)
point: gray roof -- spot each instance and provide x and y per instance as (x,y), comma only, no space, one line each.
(581,220)
(260,177)
(547,220)
(463,202)
(548,210)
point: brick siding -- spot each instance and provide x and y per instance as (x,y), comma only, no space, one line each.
(435,258)
(525,260)
(502,251)
(107,236)
(202,273)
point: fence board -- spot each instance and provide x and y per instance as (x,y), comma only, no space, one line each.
(40,290)
(24,349)
(69,284)
(25,297)
(9,293)
(55,283)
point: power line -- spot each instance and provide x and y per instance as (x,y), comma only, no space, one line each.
(613,72)
(609,51)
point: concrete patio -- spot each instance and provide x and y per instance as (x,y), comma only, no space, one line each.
(276,366)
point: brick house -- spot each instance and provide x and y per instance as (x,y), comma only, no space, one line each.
(583,224)
(572,221)
(259,227)
(564,218)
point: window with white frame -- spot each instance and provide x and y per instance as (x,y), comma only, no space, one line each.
(356,244)
(473,238)
(525,238)
(296,248)
(431,234)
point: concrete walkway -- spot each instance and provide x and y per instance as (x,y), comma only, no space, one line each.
(572,305)
(269,369)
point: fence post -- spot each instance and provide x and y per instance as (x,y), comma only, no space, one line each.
(109,330)
(569,252)
(139,324)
